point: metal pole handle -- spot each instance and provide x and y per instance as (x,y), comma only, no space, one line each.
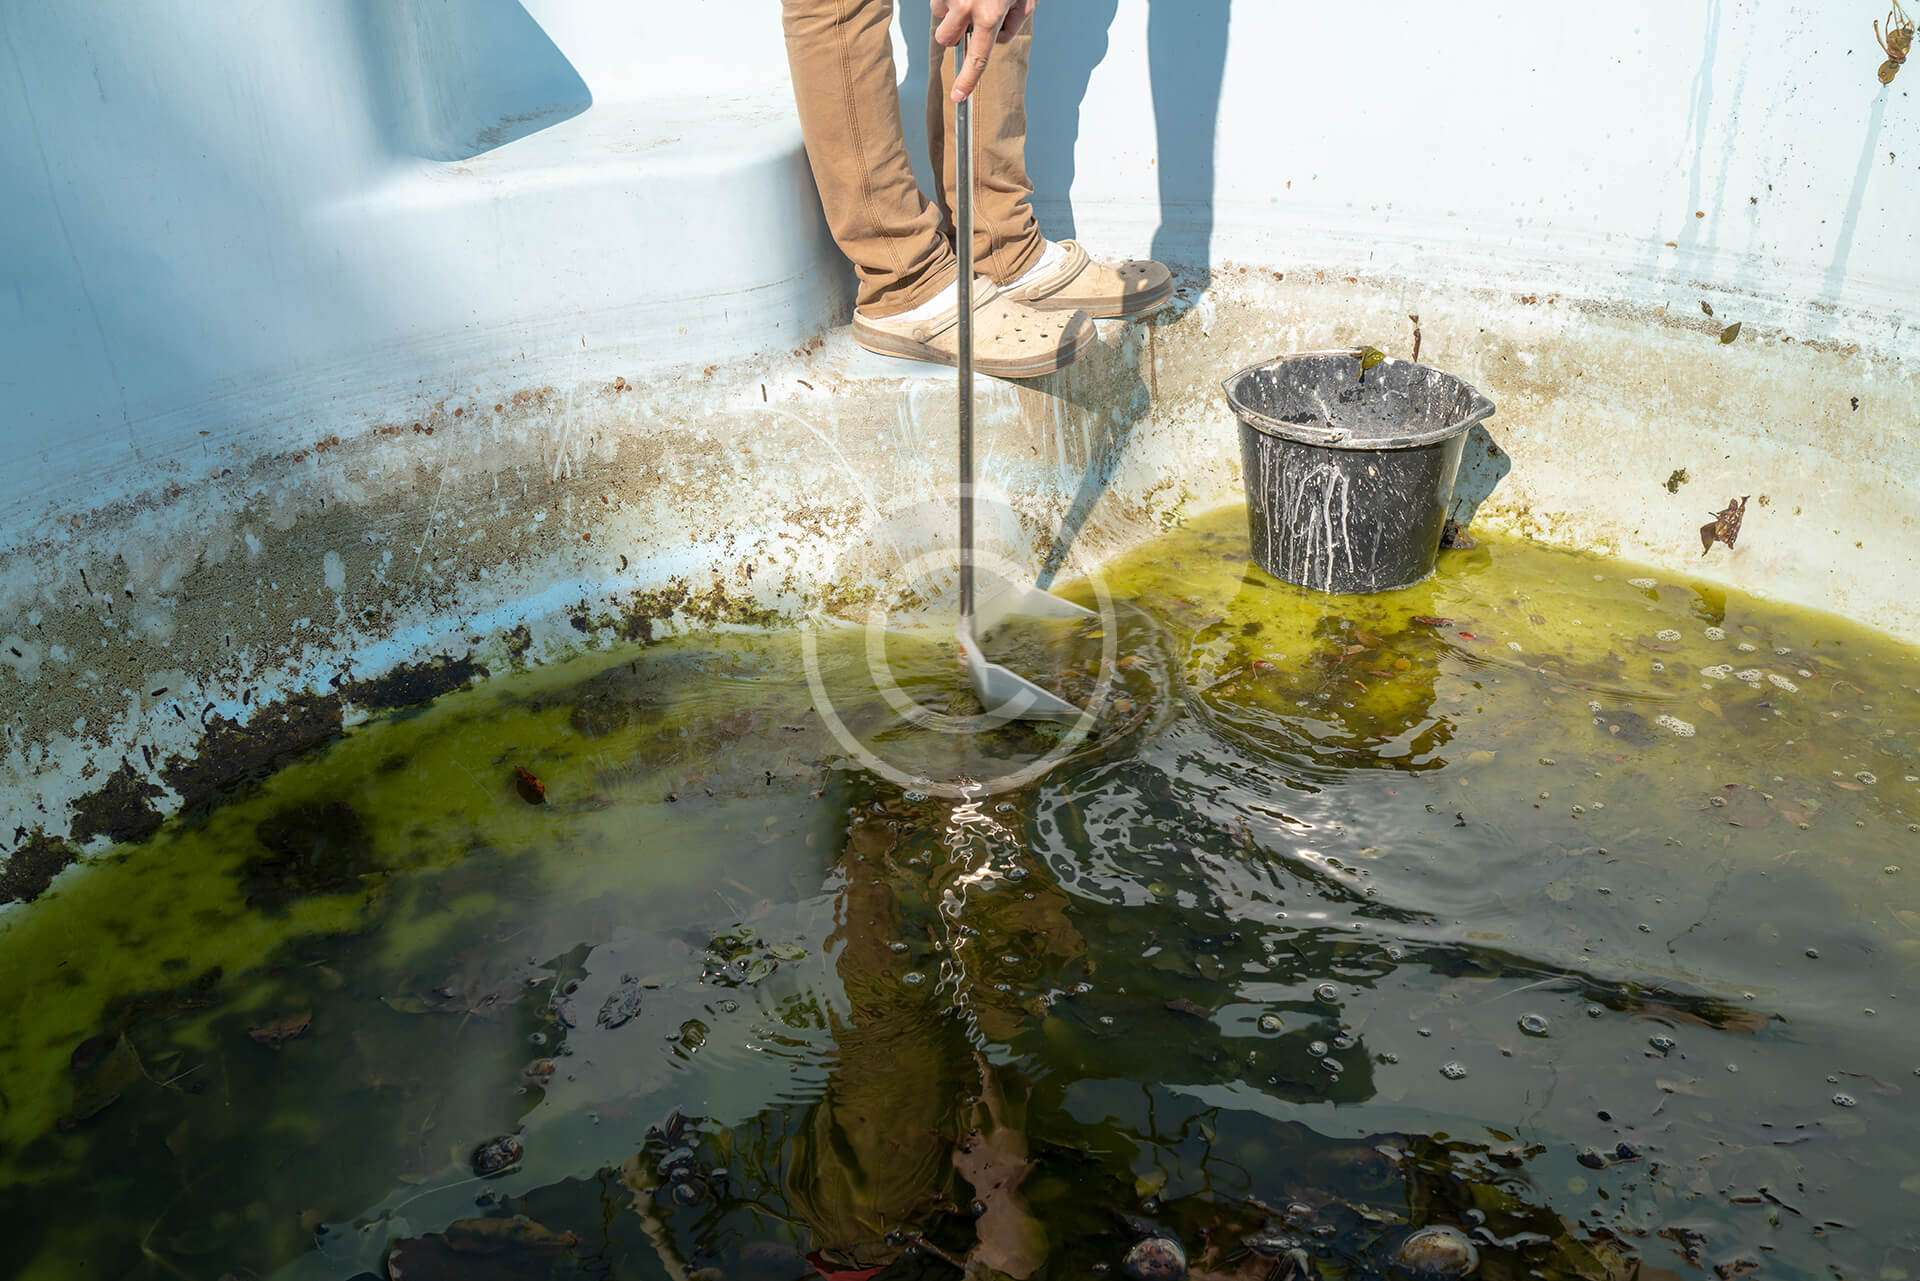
(963,250)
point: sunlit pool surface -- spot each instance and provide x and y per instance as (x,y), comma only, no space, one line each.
(1566,907)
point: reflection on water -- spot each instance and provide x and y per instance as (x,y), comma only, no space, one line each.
(1542,901)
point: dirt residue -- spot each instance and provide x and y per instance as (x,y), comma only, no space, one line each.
(414,684)
(232,754)
(121,810)
(30,868)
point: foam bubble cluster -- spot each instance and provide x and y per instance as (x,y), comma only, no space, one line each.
(1673,724)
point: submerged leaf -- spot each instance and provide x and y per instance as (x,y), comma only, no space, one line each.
(1730,333)
(279,1031)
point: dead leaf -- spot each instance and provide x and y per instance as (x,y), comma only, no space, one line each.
(1725,526)
(1181,1005)
(1730,333)
(277,1033)
(528,784)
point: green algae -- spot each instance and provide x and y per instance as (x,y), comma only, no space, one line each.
(1526,785)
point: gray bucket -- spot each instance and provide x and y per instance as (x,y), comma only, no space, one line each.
(1349,474)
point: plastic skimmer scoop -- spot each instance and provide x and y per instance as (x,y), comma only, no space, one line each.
(1004,694)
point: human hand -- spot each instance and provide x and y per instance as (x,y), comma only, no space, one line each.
(984,23)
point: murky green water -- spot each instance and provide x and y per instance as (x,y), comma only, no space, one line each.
(1561,908)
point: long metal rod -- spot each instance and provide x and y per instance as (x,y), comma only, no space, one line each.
(963,250)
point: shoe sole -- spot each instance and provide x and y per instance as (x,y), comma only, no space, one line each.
(885,344)
(1131,308)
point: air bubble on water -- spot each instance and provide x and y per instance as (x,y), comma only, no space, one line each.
(1719,671)
(896,946)
(913,978)
(1845,1101)
(1866,776)
(1716,633)
(1452,1071)
(537,1038)
(1664,1044)
(1747,647)
(1891,869)
(1327,992)
(1594,1011)
(913,797)
(1010,958)
(1514,646)
(1017,874)
(1813,954)
(1781,682)
(1106,1020)
(1271,1024)
(1425,1031)
(1332,1065)
(1666,634)
(1318,1049)
(1343,1042)
(1644,584)
(1533,1024)
(1782,650)
(1394,954)
(1674,725)
(1082,988)
(1004,807)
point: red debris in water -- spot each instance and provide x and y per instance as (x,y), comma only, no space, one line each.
(528,784)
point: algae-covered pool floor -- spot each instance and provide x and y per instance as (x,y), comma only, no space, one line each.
(1575,910)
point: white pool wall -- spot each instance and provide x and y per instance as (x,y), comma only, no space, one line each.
(356,334)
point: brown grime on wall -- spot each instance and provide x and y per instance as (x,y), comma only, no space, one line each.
(29,869)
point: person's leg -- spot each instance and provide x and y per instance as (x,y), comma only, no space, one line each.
(1006,237)
(841,55)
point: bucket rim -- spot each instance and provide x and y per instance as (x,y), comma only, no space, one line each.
(1479,410)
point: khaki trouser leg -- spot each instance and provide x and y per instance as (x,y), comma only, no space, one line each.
(841,55)
(1006,238)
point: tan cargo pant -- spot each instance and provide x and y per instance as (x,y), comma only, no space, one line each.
(900,243)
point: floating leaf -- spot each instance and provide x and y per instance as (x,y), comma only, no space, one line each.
(1730,333)
(1369,358)
(528,784)
(758,969)
(1706,306)
(788,951)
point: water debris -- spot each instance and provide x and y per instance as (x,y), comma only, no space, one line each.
(1677,477)
(1370,358)
(1706,306)
(1437,1253)
(1674,725)
(1730,333)
(497,1155)
(1192,1009)
(528,784)
(1896,42)
(1534,1024)
(1725,525)
(1155,1259)
(622,1006)
(278,1032)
